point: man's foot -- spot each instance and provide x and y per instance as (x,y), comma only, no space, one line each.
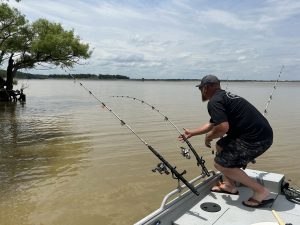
(258,204)
(224,188)
(258,199)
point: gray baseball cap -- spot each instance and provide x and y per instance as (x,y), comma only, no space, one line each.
(208,79)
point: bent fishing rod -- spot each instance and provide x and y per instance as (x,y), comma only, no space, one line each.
(274,88)
(162,167)
(184,152)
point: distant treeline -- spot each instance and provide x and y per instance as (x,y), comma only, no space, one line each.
(89,76)
(79,76)
(21,75)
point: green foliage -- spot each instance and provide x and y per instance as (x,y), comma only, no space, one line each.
(2,73)
(40,43)
(52,44)
(47,42)
(11,24)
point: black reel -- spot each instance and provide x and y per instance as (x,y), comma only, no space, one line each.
(185,152)
(291,194)
(201,161)
(161,168)
(178,180)
(175,177)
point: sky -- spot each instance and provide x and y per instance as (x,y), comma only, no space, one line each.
(179,39)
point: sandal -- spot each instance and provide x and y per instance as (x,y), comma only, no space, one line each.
(258,204)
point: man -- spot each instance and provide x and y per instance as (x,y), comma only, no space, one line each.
(248,135)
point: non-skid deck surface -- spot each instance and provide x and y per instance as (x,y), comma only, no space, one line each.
(233,212)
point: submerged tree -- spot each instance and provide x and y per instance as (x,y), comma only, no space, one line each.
(39,43)
(11,21)
(44,42)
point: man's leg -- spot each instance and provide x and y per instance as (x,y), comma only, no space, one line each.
(227,184)
(236,174)
(228,181)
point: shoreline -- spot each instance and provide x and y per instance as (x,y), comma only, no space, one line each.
(145,80)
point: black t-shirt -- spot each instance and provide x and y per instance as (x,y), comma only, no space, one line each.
(245,121)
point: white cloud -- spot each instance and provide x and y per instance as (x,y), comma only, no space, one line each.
(166,39)
(225,18)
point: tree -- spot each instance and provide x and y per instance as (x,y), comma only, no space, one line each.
(44,42)
(11,21)
(8,0)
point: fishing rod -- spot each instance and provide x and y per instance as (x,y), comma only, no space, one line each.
(274,88)
(227,84)
(162,167)
(290,193)
(184,152)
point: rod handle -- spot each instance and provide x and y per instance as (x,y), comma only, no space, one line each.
(279,220)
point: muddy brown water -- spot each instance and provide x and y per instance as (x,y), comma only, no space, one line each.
(64,160)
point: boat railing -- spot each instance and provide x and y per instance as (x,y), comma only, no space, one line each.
(170,199)
(165,202)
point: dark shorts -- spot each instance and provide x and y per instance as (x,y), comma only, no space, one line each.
(237,153)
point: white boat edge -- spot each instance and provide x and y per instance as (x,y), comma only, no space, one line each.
(179,210)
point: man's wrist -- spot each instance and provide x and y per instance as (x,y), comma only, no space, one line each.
(208,137)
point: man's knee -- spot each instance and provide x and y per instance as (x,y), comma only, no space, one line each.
(218,166)
(222,168)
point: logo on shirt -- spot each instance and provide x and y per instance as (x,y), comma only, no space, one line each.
(232,96)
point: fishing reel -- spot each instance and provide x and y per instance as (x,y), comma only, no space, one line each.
(185,152)
(175,177)
(161,168)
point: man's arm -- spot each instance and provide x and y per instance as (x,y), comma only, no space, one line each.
(198,131)
(216,132)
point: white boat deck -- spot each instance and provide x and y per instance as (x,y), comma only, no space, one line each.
(186,209)
(233,212)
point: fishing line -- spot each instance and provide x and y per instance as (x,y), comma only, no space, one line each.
(290,193)
(162,167)
(227,84)
(200,160)
(170,132)
(166,119)
(184,152)
(274,88)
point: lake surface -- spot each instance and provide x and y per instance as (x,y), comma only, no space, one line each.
(64,160)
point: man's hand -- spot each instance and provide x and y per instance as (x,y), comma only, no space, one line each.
(187,134)
(216,132)
(207,141)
